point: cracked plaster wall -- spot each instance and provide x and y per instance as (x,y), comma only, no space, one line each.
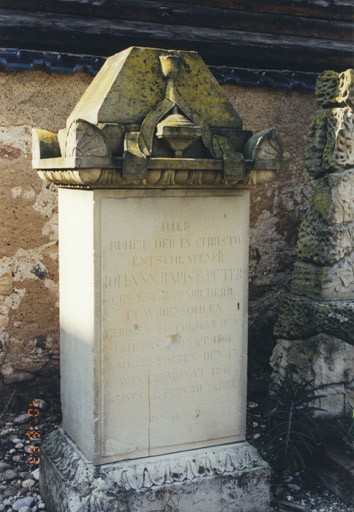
(29,325)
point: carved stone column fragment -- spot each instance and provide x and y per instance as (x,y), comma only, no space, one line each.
(153,169)
(316,319)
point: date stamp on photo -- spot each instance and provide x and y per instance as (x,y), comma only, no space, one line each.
(33,433)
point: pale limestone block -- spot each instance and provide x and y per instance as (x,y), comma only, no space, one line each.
(323,359)
(326,361)
(333,362)
(279,359)
(153,319)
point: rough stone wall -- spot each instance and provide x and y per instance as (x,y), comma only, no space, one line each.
(29,328)
(316,319)
(29,325)
(277,207)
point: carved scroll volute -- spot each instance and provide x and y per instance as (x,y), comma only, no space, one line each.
(264,156)
(85,140)
(134,159)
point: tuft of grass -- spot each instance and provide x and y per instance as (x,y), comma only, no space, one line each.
(292,434)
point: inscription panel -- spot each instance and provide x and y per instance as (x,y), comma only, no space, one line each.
(173,278)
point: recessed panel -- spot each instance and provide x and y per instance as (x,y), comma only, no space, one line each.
(173,281)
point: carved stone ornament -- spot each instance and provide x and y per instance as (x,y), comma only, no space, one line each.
(155,118)
(222,475)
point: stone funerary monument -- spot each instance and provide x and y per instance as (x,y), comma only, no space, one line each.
(153,169)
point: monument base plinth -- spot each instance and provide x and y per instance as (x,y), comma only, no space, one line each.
(229,477)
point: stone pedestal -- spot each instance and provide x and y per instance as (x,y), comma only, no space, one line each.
(153,229)
(227,477)
(153,301)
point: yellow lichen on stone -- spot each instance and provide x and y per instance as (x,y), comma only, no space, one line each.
(346,87)
(44,144)
(135,75)
(322,199)
(335,89)
(151,108)
(327,88)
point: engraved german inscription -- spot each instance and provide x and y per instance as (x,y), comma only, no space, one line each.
(172,334)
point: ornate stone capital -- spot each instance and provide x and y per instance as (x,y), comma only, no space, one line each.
(155,118)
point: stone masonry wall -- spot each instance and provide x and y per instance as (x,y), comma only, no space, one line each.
(29,327)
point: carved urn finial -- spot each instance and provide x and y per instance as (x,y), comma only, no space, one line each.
(178,132)
(169,67)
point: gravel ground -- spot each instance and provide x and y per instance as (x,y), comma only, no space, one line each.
(291,491)
(20,440)
(21,436)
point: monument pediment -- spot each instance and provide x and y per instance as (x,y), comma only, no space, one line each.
(155,118)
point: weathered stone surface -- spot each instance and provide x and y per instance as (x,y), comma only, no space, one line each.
(300,317)
(335,89)
(324,283)
(322,288)
(316,143)
(339,151)
(322,358)
(336,471)
(332,198)
(205,480)
(321,243)
(330,145)
(325,360)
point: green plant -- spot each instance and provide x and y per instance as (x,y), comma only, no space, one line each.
(292,436)
(347,433)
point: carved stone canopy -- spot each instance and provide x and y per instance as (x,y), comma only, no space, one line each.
(155,118)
